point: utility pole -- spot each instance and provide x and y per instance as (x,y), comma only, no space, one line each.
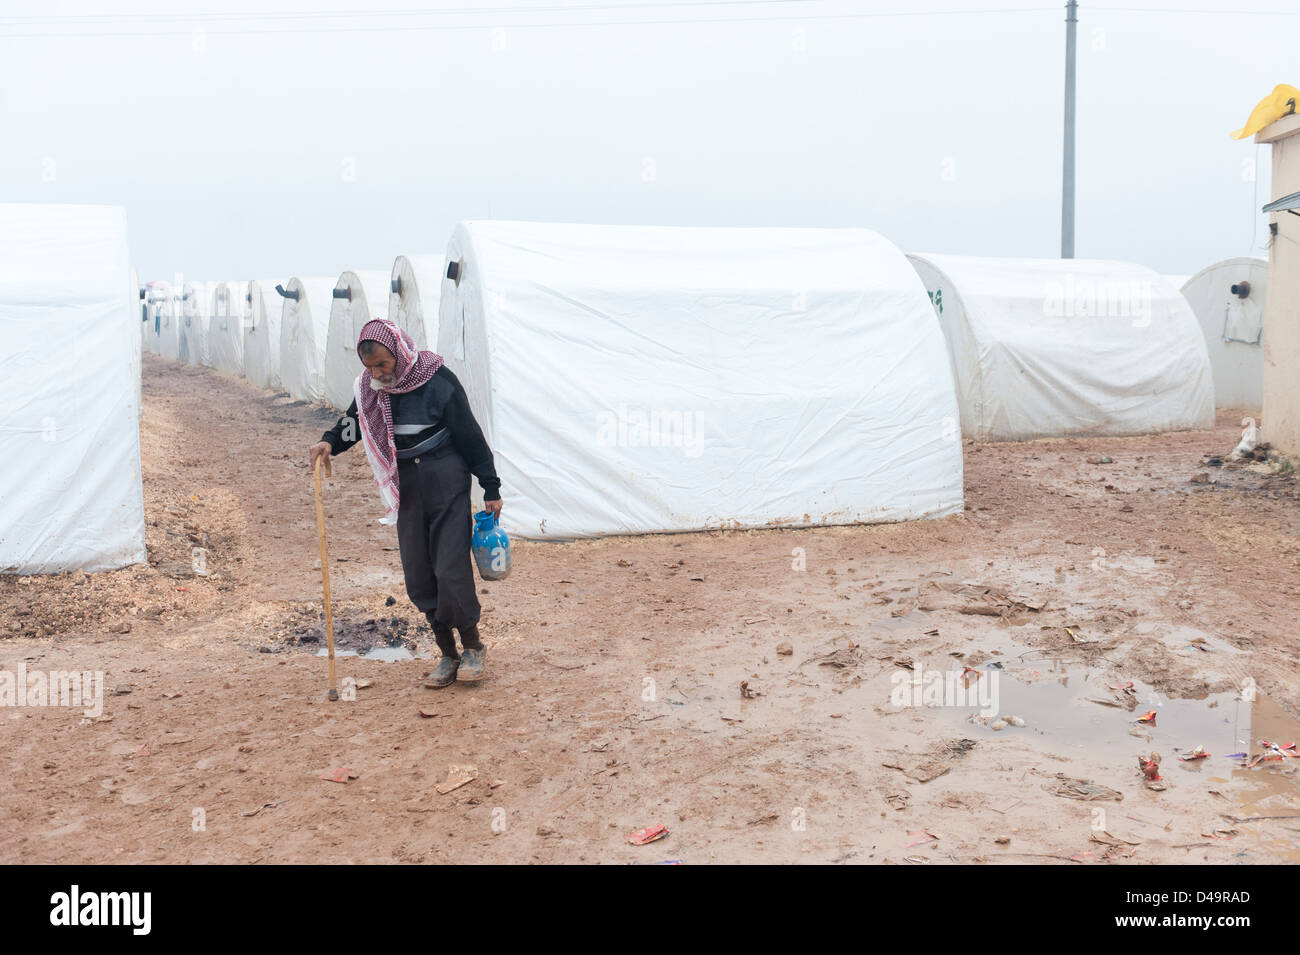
(1067,173)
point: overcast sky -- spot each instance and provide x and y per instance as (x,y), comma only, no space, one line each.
(308,137)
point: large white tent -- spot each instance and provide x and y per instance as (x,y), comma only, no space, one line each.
(226,328)
(1051,347)
(1228,299)
(263,308)
(647,379)
(69,400)
(413,299)
(304,329)
(192,330)
(357,298)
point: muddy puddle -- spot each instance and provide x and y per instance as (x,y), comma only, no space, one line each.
(383,638)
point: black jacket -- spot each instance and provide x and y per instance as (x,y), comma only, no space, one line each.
(440,402)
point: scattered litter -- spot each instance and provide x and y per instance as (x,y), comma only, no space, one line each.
(1101,460)
(1106,839)
(998,725)
(937,762)
(1084,789)
(265,805)
(340,775)
(428,711)
(457,776)
(1149,718)
(362,684)
(647,835)
(1220,834)
(1014,720)
(916,860)
(1015,803)
(919,838)
(1003,840)
(1198,753)
(746,693)
(1150,766)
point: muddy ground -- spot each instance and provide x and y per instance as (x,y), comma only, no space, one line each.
(615,700)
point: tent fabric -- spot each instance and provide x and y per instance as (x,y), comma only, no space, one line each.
(226,328)
(654,379)
(1281,102)
(1050,347)
(1233,327)
(161,323)
(263,308)
(304,328)
(414,306)
(69,415)
(137,358)
(368,298)
(192,327)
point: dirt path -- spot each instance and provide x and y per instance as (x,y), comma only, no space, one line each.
(615,697)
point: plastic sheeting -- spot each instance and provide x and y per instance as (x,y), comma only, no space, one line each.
(1050,347)
(263,308)
(367,298)
(162,308)
(226,328)
(1233,327)
(304,327)
(414,306)
(71,497)
(640,379)
(1281,102)
(192,328)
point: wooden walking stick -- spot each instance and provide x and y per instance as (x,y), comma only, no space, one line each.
(325,570)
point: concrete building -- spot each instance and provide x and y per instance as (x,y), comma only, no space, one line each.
(1281,404)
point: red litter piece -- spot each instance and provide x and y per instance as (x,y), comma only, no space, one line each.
(648,834)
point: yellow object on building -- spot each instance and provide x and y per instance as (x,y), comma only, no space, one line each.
(1281,102)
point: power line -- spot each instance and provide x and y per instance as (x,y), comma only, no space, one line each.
(549,24)
(413,12)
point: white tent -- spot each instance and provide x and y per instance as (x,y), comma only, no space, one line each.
(162,309)
(140,309)
(226,328)
(304,328)
(642,379)
(413,299)
(192,327)
(71,496)
(263,308)
(357,298)
(1050,347)
(1233,325)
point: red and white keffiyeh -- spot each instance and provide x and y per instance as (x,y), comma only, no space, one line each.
(375,404)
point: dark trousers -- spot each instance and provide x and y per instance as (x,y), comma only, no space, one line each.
(434,526)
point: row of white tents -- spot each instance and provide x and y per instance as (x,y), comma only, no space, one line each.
(629,379)
(297,334)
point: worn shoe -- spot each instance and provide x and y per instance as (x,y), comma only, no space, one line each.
(471,664)
(444,674)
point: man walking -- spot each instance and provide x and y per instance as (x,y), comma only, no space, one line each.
(422,441)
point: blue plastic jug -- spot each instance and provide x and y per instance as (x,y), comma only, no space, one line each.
(491,547)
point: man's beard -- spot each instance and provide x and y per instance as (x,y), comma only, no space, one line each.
(379,384)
